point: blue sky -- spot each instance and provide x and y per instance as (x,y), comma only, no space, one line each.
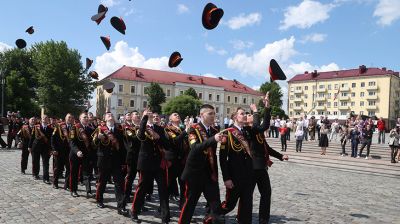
(300,34)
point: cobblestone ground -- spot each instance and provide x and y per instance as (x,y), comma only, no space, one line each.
(301,194)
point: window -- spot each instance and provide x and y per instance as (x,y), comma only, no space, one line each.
(363,84)
(371,113)
(201,96)
(291,97)
(297,96)
(344,85)
(353,104)
(291,105)
(371,93)
(228,110)
(132,103)
(329,87)
(144,104)
(305,87)
(236,99)
(181,92)
(244,100)
(328,104)
(121,88)
(344,94)
(305,104)
(168,92)
(291,113)
(343,103)
(298,87)
(361,112)
(329,113)
(217,98)
(320,104)
(252,100)
(343,113)
(336,86)
(132,89)
(321,86)
(297,113)
(361,103)
(305,96)
(321,95)
(297,104)
(353,94)
(322,113)
(334,112)
(335,104)
(362,94)
(229,99)
(371,103)
(144,89)
(353,85)
(291,89)
(216,110)
(120,102)
(373,83)
(314,87)
(210,97)
(329,95)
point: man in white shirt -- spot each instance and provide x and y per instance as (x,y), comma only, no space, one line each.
(334,130)
(277,126)
(289,125)
(305,127)
(226,121)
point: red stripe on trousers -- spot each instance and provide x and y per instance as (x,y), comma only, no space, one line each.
(186,201)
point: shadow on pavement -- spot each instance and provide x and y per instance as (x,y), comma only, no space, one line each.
(357,215)
(282,219)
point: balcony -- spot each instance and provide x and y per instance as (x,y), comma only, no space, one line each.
(344,98)
(375,87)
(297,108)
(323,90)
(298,99)
(320,98)
(320,107)
(298,91)
(371,107)
(372,97)
(344,107)
(344,89)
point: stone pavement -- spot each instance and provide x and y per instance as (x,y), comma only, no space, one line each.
(302,193)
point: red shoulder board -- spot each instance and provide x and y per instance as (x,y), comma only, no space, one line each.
(37,126)
(195,126)
(230,129)
(103,128)
(78,125)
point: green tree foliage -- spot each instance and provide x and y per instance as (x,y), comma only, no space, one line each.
(191,92)
(275,93)
(184,105)
(20,83)
(61,84)
(156,96)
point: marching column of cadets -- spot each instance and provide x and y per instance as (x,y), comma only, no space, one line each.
(182,158)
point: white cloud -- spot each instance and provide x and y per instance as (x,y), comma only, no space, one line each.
(109,3)
(182,9)
(213,49)
(314,37)
(301,67)
(306,14)
(121,55)
(240,44)
(257,64)
(244,20)
(388,11)
(256,88)
(4,47)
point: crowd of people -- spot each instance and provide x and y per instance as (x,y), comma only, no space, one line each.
(354,131)
(181,156)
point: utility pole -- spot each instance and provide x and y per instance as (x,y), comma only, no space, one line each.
(2,91)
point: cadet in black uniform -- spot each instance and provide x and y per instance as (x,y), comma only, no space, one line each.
(237,168)
(201,170)
(25,135)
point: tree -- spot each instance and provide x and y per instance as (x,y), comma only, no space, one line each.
(191,92)
(275,93)
(156,96)
(184,105)
(61,84)
(20,83)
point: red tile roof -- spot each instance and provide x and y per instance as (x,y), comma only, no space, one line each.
(361,71)
(170,78)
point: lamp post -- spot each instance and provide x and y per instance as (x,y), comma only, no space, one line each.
(2,91)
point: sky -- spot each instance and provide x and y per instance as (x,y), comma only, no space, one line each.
(302,35)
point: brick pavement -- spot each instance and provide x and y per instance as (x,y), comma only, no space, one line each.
(301,194)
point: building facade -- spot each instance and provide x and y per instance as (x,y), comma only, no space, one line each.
(130,83)
(362,91)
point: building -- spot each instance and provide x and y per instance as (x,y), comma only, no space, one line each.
(364,91)
(130,82)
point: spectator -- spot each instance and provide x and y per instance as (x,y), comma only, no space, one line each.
(311,128)
(289,125)
(344,137)
(334,130)
(272,127)
(319,122)
(277,125)
(355,140)
(323,142)
(283,132)
(381,130)
(305,127)
(226,121)
(299,135)
(367,140)
(394,143)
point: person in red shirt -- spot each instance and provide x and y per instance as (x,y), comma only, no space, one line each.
(381,129)
(283,132)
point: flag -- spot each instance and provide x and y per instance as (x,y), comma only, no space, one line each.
(336,94)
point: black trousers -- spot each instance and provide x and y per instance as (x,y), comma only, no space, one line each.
(36,154)
(194,189)
(343,143)
(106,169)
(59,162)
(172,179)
(261,179)
(288,134)
(299,144)
(283,142)
(77,164)
(146,179)
(24,158)
(243,191)
(129,178)
(10,139)
(365,143)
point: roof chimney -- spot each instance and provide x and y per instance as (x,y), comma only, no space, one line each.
(384,68)
(306,72)
(314,74)
(362,69)
(220,78)
(235,81)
